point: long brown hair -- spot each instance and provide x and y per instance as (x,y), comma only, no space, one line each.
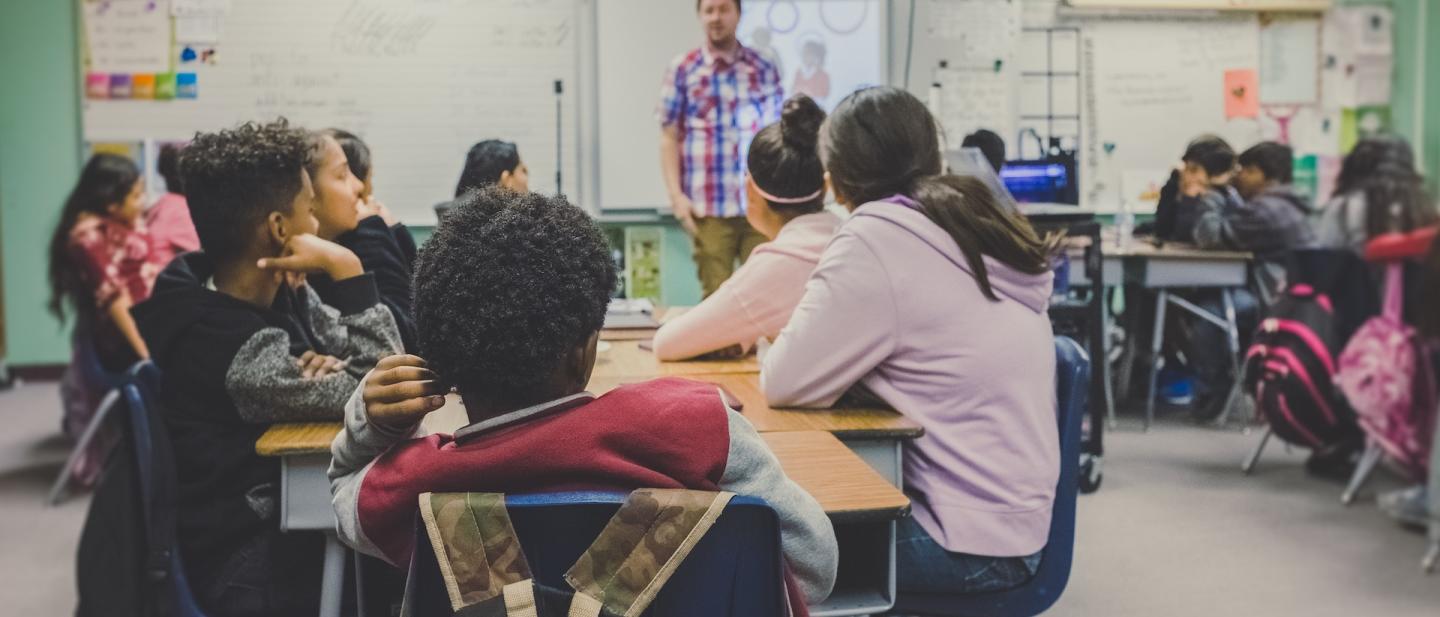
(105,181)
(882,141)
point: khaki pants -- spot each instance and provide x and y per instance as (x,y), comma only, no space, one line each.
(719,242)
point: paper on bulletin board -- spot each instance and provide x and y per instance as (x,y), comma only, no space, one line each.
(976,33)
(1362,122)
(1141,187)
(975,99)
(1242,96)
(1310,130)
(1357,58)
(1289,61)
(199,21)
(127,36)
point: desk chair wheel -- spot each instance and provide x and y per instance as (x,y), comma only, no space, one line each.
(1091,473)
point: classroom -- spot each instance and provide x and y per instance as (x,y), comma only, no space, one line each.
(731,308)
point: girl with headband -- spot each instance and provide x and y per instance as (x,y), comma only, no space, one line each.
(786,185)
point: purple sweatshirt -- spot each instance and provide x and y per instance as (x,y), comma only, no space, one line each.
(893,306)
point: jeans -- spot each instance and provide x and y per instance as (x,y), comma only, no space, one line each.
(1208,349)
(923,566)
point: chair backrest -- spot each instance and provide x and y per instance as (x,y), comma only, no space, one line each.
(1072,374)
(736,569)
(155,466)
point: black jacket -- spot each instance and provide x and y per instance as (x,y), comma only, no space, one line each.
(230,371)
(389,254)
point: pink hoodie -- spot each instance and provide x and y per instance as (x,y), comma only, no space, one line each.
(893,306)
(758,299)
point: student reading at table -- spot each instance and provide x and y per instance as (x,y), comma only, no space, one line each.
(933,298)
(786,185)
(510,297)
(223,327)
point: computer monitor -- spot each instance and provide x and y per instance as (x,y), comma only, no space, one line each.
(1043,181)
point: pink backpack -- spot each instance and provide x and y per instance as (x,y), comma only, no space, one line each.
(1386,376)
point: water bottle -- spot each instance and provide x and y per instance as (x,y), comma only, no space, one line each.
(1125,226)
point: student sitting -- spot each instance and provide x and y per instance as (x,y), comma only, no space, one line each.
(933,298)
(511,293)
(168,219)
(1208,162)
(100,265)
(1381,172)
(223,331)
(786,188)
(339,165)
(490,162)
(990,144)
(1273,220)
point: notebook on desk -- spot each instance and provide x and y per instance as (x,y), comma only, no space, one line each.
(625,314)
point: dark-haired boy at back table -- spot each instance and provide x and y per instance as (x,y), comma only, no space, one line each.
(236,358)
(510,296)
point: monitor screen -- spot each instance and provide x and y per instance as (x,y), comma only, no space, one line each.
(1038,181)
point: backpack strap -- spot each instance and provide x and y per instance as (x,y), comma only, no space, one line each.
(1394,304)
(640,548)
(476,548)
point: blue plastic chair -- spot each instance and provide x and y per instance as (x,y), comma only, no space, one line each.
(735,570)
(1072,376)
(155,466)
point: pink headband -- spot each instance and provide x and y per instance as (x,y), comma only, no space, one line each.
(787,200)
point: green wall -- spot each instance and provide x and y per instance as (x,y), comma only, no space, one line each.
(40,154)
(39,158)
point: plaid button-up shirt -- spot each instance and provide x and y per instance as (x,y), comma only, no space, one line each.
(719,104)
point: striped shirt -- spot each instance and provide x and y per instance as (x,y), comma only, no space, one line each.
(719,104)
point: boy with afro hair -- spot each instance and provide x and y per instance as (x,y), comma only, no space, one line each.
(510,296)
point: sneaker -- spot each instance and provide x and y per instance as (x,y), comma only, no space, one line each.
(1408,506)
(1176,388)
(1335,462)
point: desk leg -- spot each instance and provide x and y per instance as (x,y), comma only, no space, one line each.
(332,586)
(1232,338)
(1104,362)
(1157,345)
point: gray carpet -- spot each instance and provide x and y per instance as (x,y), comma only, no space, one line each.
(1176,530)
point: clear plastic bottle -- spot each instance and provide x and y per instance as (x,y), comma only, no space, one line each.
(1125,225)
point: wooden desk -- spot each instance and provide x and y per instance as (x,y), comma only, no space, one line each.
(862,505)
(876,435)
(626,359)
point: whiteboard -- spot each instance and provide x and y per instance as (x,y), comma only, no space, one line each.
(637,39)
(420,81)
(1141,109)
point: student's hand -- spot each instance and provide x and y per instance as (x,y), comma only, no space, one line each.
(315,365)
(369,206)
(684,210)
(307,253)
(401,391)
(1192,184)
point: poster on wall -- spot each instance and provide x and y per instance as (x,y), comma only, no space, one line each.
(825,49)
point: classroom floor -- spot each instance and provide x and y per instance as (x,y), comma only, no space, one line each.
(1176,530)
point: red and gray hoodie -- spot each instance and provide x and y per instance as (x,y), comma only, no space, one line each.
(666,433)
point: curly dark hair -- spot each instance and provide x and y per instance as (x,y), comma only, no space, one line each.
(508,285)
(236,177)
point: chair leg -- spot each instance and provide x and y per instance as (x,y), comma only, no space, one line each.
(60,490)
(1249,465)
(1432,556)
(1368,461)
(1232,339)
(1157,346)
(332,585)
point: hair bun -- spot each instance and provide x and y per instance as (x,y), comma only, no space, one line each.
(800,121)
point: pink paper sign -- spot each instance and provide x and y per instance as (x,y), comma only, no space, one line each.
(1242,94)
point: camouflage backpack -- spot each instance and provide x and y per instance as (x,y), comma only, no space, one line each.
(485,573)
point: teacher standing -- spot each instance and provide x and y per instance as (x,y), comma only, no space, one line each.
(713,101)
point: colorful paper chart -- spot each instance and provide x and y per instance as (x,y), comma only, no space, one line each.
(186,86)
(142,86)
(1242,94)
(164,86)
(97,85)
(119,86)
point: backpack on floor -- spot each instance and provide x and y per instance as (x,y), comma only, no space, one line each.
(1290,367)
(1386,376)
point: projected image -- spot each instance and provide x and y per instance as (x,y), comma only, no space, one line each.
(825,49)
